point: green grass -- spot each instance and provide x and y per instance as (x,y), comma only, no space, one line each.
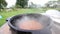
(8,14)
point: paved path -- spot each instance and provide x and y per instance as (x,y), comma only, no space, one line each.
(55,28)
(5,29)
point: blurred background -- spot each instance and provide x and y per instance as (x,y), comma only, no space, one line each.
(10,8)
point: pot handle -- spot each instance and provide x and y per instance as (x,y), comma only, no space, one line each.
(8,19)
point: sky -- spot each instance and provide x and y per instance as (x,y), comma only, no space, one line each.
(41,2)
(11,3)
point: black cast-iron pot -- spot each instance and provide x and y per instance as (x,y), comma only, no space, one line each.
(45,21)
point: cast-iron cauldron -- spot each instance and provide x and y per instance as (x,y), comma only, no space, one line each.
(45,21)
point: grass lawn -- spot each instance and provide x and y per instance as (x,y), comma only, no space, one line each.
(6,14)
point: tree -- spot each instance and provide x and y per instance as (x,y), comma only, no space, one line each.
(22,3)
(2,4)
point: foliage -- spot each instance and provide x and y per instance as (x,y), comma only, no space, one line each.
(2,4)
(22,3)
(53,4)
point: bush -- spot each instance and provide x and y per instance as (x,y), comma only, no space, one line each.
(2,4)
(22,3)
